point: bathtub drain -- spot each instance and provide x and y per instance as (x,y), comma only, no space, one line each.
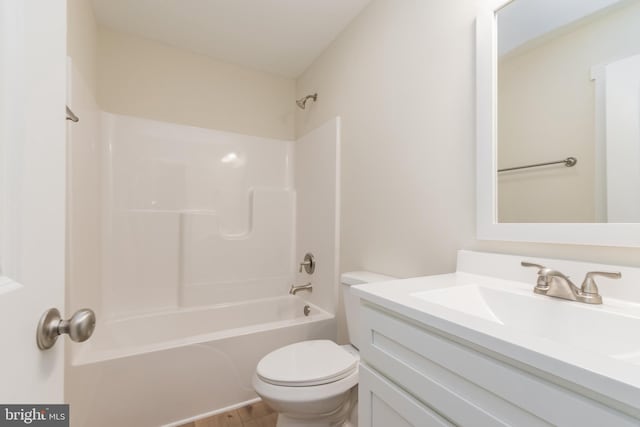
(307,310)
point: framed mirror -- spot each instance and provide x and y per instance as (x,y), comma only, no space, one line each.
(558,122)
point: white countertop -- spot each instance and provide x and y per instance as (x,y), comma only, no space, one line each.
(614,380)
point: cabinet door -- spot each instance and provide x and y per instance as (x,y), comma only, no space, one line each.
(383,404)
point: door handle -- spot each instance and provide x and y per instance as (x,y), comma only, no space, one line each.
(51,326)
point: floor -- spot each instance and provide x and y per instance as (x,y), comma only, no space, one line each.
(255,415)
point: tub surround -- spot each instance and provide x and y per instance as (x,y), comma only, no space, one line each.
(186,208)
(456,317)
(317,183)
(196,217)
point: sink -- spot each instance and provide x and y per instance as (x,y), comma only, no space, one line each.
(609,331)
(488,307)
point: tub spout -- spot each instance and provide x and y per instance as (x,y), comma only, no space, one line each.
(294,289)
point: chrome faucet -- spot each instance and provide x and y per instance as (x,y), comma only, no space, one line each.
(555,284)
(294,289)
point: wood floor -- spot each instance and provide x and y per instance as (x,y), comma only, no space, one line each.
(256,415)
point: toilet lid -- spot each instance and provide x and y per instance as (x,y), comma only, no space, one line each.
(307,363)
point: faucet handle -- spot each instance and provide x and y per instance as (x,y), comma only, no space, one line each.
(544,279)
(530,264)
(589,285)
(309,263)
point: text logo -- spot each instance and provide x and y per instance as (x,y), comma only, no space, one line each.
(34,415)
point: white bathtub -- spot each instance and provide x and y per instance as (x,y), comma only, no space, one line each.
(172,367)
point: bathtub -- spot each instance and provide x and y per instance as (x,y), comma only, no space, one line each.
(172,367)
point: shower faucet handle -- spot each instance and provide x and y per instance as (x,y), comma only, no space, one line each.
(309,263)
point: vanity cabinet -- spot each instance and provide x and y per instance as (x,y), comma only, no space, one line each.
(413,374)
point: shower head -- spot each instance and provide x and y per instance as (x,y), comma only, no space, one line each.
(302,102)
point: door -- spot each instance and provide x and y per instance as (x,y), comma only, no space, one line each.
(32,195)
(623,139)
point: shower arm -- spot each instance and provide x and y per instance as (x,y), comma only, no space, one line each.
(302,102)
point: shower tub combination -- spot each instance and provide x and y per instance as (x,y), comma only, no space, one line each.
(198,243)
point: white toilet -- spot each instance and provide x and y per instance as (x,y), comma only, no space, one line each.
(314,383)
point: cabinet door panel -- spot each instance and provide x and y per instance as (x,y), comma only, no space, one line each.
(383,404)
(383,415)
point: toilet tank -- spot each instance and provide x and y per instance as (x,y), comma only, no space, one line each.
(351,301)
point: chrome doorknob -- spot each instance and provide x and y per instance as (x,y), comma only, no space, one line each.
(51,326)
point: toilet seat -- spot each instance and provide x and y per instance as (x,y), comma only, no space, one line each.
(306,364)
(296,395)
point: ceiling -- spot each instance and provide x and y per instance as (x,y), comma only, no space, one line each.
(524,20)
(278,36)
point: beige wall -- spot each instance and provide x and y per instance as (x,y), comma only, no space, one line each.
(134,76)
(81,40)
(402,79)
(546,106)
(143,78)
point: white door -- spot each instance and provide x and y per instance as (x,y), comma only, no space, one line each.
(623,139)
(32,195)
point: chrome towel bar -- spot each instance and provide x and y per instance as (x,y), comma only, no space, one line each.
(568,162)
(71,116)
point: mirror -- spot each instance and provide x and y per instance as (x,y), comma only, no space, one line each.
(558,89)
(559,64)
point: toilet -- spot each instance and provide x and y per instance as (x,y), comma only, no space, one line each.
(315,383)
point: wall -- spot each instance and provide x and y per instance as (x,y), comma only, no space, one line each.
(526,20)
(406,103)
(401,77)
(143,78)
(82,34)
(546,105)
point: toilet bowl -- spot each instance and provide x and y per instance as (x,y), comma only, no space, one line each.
(310,383)
(314,383)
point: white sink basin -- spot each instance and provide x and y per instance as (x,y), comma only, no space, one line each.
(596,328)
